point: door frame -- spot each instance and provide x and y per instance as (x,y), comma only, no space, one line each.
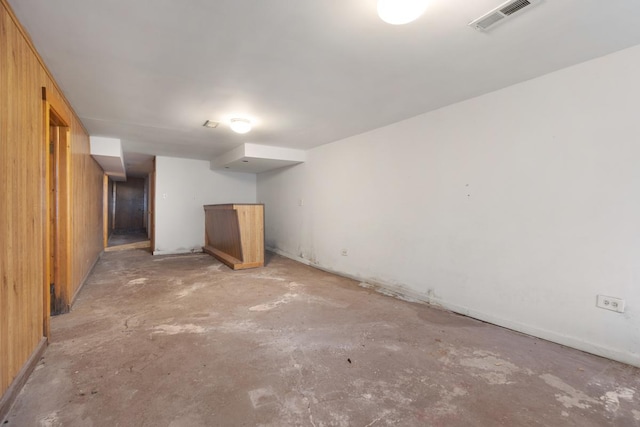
(57,211)
(105,210)
(152,207)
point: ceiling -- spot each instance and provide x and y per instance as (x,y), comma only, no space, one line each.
(307,72)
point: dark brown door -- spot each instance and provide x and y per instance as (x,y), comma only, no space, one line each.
(130,206)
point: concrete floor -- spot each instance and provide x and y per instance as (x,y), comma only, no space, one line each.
(184,341)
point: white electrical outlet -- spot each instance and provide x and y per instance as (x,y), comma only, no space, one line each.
(344,252)
(610,303)
(300,202)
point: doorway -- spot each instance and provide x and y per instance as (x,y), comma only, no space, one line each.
(128,204)
(58,235)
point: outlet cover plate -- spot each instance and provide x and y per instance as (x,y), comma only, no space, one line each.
(610,303)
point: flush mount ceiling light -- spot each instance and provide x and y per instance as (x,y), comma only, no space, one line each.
(240,125)
(398,12)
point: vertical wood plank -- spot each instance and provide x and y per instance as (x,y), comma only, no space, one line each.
(4,190)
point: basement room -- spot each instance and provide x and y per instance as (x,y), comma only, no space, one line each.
(320,213)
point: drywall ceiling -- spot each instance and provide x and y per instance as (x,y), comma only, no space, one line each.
(308,72)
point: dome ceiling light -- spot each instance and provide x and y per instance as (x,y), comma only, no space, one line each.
(399,12)
(240,125)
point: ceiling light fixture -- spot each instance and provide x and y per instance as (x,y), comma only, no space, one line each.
(398,12)
(210,124)
(240,125)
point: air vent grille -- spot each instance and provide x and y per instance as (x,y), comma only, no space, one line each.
(489,21)
(515,6)
(210,124)
(501,13)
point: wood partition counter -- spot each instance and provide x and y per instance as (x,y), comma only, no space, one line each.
(234,234)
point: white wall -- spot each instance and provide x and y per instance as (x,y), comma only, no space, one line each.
(183,186)
(517,207)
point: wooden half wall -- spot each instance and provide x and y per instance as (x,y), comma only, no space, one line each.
(23,206)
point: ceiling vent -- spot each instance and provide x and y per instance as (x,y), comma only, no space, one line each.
(210,124)
(501,13)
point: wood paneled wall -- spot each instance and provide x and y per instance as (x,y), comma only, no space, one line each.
(21,210)
(23,197)
(86,193)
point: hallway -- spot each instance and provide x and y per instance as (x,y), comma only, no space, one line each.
(184,341)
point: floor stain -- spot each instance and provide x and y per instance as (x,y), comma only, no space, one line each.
(611,399)
(571,398)
(178,329)
(285,299)
(494,370)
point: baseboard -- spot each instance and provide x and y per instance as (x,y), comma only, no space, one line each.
(19,381)
(402,292)
(179,252)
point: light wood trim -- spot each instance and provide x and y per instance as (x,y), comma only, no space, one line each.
(60,214)
(46,256)
(105,210)
(66,214)
(152,206)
